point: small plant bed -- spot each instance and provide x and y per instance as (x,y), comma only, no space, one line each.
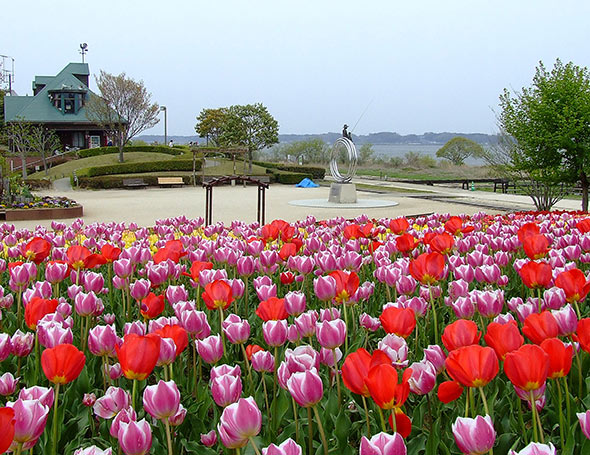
(41,208)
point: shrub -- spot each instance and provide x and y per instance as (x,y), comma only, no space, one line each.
(85,153)
(116,181)
(140,167)
(312,172)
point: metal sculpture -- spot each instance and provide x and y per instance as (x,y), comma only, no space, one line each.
(343,144)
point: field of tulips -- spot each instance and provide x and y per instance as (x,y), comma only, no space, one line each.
(433,335)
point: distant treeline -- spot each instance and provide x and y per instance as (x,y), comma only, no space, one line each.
(373,138)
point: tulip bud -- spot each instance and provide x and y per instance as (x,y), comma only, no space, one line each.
(275,332)
(306,387)
(8,384)
(263,361)
(287,447)
(210,349)
(161,400)
(44,395)
(383,444)
(114,400)
(584,419)
(135,438)
(209,439)
(89,399)
(474,435)
(239,422)
(226,389)
(331,334)
(295,303)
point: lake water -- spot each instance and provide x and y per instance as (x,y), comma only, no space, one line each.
(400,150)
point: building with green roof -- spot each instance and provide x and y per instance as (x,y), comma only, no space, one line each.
(58,104)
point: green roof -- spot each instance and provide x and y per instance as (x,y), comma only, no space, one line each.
(38,108)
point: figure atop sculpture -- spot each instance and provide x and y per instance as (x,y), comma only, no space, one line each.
(346,133)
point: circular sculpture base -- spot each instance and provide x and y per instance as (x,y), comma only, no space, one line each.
(359,204)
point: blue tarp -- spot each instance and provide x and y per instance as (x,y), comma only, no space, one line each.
(307,183)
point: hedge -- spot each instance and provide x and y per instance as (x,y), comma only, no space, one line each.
(140,167)
(115,181)
(85,153)
(311,172)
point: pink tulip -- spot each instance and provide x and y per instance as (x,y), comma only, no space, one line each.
(156,274)
(302,358)
(237,287)
(8,384)
(210,349)
(87,304)
(139,289)
(536,448)
(423,378)
(331,334)
(22,343)
(504,318)
(102,340)
(474,435)
(161,400)
(369,323)
(263,361)
(56,272)
(226,389)
(287,447)
(209,439)
(175,294)
(177,418)
(93,282)
(195,323)
(135,438)
(265,292)
(221,370)
(114,371)
(5,346)
(463,307)
(136,327)
(566,318)
(306,387)
(329,314)
(324,288)
(123,268)
(305,323)
(239,422)
(327,357)
(275,332)
(245,266)
(74,290)
(124,415)
(458,288)
(114,400)
(89,399)
(435,355)
(21,275)
(40,289)
(295,303)
(236,330)
(465,272)
(584,419)
(406,285)
(489,303)
(93,450)
(44,395)
(383,444)
(396,349)
(167,352)
(30,419)
(53,333)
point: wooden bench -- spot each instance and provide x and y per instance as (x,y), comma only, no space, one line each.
(170,181)
(134,183)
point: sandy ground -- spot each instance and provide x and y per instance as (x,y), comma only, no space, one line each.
(145,206)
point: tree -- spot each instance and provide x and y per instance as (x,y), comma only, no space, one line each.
(366,153)
(124,108)
(458,149)
(250,126)
(549,123)
(43,141)
(307,151)
(17,134)
(210,124)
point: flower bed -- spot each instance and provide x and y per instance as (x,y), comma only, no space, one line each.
(422,336)
(42,208)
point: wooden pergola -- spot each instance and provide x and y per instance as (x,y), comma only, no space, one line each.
(211,151)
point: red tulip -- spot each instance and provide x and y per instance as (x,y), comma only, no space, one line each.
(428,268)
(110,253)
(7,422)
(560,357)
(80,258)
(503,338)
(583,334)
(173,250)
(400,321)
(536,274)
(406,243)
(384,388)
(287,250)
(37,308)
(574,284)
(196,268)
(355,370)
(37,250)
(536,246)
(442,243)
(527,230)
(403,424)
(218,294)
(460,333)
(455,226)
(347,283)
(152,306)
(583,225)
(63,363)
(272,309)
(472,366)
(449,391)
(177,333)
(540,326)
(251,349)
(399,226)
(138,355)
(527,367)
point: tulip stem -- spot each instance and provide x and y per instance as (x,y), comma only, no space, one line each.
(536,417)
(393,422)
(168,436)
(561,422)
(37,355)
(434,317)
(221,329)
(521,420)
(248,368)
(579,367)
(274,391)
(539,300)
(54,423)
(321,428)
(337,376)
(577,309)
(19,297)
(366,415)
(471,401)
(254,446)
(383,427)
(19,448)
(485,402)
(310,431)
(265,394)
(567,400)
(133,393)
(296,420)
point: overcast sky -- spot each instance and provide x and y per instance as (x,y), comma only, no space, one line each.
(316,64)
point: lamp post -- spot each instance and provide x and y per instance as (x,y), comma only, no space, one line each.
(163,108)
